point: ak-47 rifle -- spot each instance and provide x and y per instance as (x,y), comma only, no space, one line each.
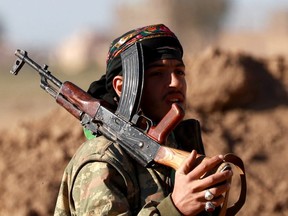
(144,144)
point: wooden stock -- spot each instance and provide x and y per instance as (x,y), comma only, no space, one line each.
(171,157)
(174,157)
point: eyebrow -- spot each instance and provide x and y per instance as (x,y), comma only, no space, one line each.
(160,64)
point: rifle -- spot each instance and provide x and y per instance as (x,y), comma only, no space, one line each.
(125,126)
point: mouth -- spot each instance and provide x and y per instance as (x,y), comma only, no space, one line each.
(175,98)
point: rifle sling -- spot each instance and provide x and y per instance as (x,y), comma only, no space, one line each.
(232,210)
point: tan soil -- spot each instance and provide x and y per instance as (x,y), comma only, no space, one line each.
(240,100)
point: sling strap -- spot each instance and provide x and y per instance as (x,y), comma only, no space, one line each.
(238,163)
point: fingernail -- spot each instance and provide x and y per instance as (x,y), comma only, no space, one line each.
(221,157)
(230,172)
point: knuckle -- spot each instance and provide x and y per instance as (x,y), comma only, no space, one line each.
(204,166)
(210,180)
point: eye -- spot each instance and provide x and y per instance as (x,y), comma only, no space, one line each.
(180,72)
(156,73)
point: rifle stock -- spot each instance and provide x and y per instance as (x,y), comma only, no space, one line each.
(171,157)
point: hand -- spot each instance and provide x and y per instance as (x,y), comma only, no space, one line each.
(189,189)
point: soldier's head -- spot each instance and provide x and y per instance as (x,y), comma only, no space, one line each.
(164,76)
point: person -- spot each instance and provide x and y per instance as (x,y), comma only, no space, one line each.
(101,179)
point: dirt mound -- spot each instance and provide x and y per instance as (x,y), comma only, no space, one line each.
(32,158)
(240,101)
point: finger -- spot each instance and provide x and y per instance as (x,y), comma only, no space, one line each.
(206,165)
(216,179)
(216,191)
(188,163)
(216,202)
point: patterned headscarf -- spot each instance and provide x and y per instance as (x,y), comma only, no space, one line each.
(158,42)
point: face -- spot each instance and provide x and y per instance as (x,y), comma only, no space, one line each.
(164,84)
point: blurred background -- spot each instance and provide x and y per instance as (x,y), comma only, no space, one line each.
(73,37)
(236,50)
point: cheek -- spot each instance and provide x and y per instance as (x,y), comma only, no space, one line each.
(185,86)
(150,95)
(152,86)
(154,93)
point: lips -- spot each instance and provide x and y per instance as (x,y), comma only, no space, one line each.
(175,97)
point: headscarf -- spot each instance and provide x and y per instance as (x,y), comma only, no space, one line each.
(158,42)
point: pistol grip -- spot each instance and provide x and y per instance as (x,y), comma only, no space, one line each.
(161,131)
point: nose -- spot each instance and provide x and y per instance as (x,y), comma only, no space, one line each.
(176,81)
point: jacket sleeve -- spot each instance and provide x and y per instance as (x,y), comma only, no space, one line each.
(100,190)
(165,208)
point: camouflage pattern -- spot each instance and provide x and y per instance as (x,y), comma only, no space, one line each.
(101,179)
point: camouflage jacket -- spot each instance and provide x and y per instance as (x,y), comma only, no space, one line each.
(101,179)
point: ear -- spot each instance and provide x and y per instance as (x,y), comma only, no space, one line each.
(117,84)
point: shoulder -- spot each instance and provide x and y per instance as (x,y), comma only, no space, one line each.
(97,151)
(103,157)
(102,150)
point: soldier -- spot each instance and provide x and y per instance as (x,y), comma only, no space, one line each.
(101,179)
